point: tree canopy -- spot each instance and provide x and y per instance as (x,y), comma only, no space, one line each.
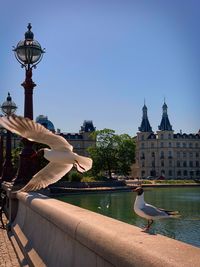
(113,153)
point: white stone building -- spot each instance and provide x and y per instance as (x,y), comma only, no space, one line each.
(165,153)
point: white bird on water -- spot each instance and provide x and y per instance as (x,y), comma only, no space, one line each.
(61,156)
(150,212)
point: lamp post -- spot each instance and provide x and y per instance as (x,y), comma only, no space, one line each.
(28,53)
(8,108)
(1,148)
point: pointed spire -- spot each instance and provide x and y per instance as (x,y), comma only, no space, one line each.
(165,124)
(145,125)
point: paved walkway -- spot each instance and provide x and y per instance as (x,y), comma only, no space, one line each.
(8,257)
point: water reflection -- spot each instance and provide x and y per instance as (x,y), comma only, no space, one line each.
(120,206)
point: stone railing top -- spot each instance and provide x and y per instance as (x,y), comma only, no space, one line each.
(119,243)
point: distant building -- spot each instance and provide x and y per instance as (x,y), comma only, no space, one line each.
(165,153)
(45,122)
(82,140)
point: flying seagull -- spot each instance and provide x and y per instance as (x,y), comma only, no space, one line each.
(60,155)
(150,212)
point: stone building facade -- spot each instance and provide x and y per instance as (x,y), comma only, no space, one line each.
(80,141)
(165,153)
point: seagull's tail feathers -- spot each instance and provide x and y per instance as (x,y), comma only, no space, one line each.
(83,164)
(173,214)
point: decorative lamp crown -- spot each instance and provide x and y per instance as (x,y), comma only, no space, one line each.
(28,51)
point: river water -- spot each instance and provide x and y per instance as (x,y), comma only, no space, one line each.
(119,205)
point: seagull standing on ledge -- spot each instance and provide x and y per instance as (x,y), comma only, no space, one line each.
(150,212)
(61,157)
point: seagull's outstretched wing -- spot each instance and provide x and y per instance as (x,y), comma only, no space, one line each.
(34,132)
(50,174)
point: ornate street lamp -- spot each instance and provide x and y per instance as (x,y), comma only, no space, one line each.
(28,53)
(8,108)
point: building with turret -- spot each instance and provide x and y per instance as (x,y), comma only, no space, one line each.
(165,153)
(45,122)
(81,140)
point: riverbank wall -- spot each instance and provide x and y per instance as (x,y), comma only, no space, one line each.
(55,234)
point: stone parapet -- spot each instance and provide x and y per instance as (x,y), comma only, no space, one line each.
(55,234)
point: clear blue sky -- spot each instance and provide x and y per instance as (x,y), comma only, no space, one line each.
(103,58)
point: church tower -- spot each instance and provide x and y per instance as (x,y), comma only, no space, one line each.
(165,124)
(145,125)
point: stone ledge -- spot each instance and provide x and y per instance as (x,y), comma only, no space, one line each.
(62,233)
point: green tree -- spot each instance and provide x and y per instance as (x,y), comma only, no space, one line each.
(15,156)
(113,153)
(125,154)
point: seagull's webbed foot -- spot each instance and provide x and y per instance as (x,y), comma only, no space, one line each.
(149,223)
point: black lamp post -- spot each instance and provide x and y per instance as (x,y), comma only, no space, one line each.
(1,148)
(8,108)
(28,53)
